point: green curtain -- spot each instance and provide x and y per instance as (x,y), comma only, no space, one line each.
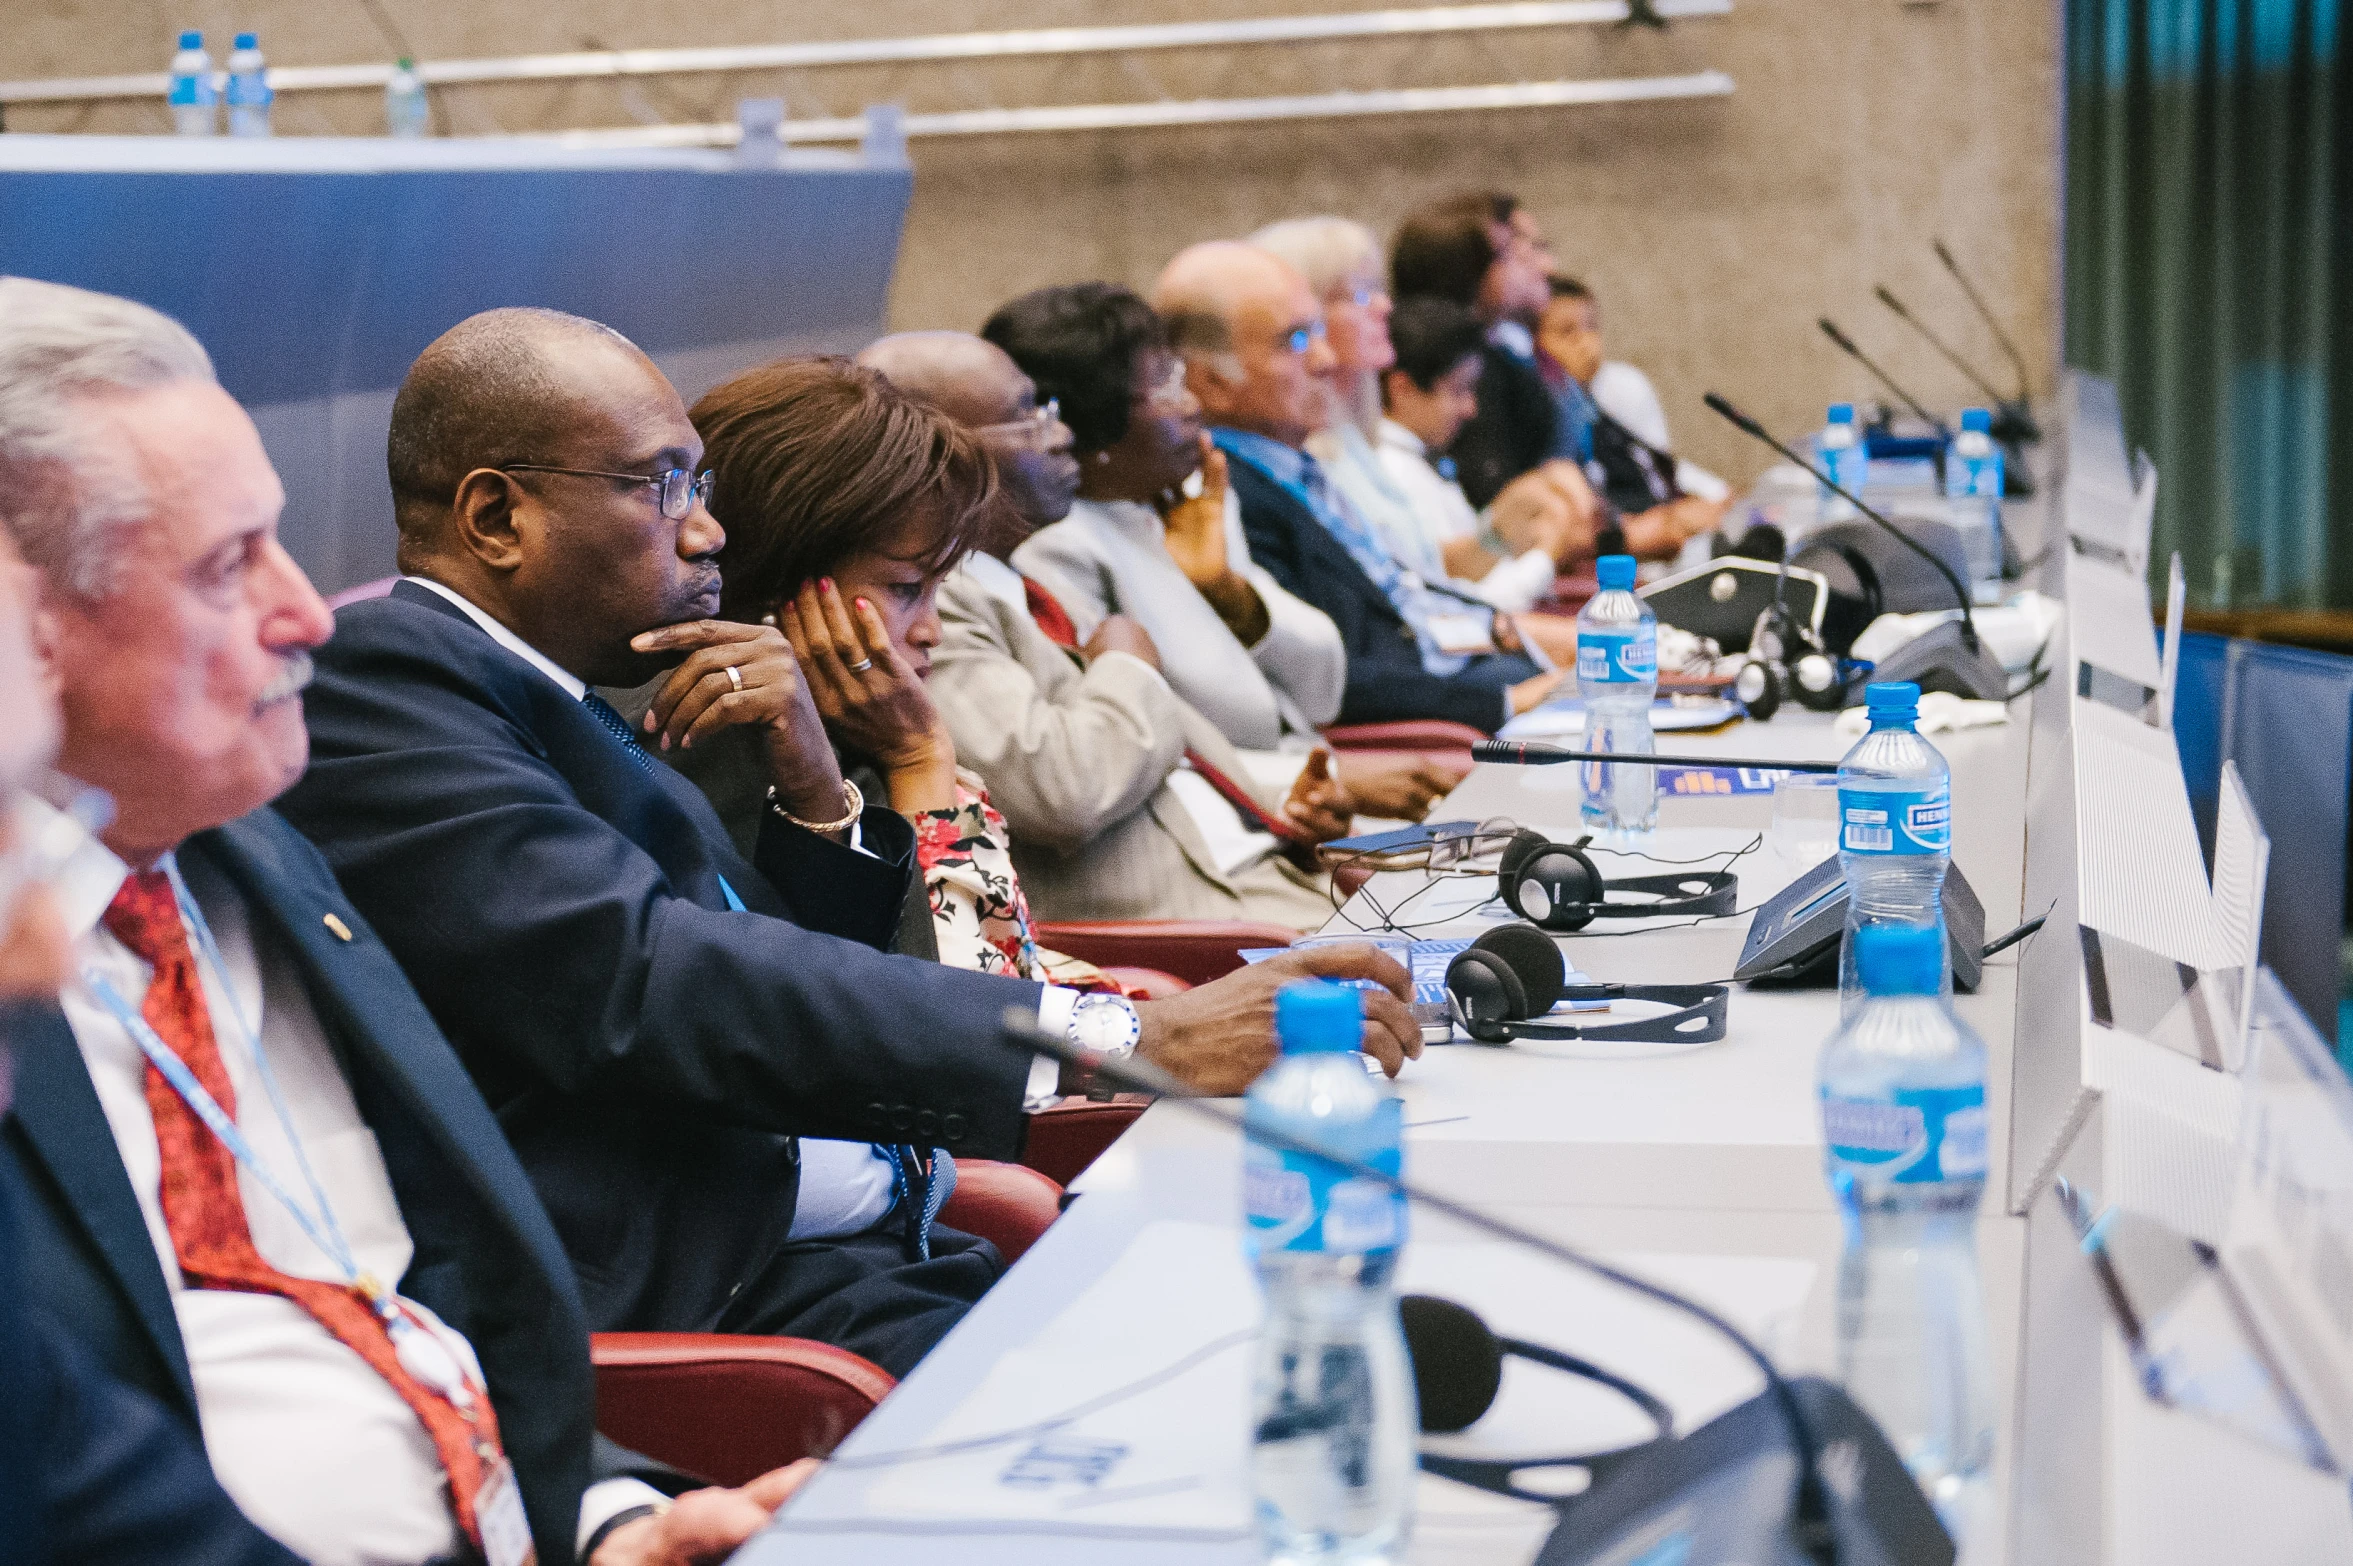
(2208,274)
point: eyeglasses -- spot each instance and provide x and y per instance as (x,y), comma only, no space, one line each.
(1032,426)
(1171,395)
(1362,295)
(681,491)
(1297,339)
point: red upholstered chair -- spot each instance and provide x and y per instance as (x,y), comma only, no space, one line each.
(1065,1139)
(379,588)
(729,1408)
(1194,950)
(1147,983)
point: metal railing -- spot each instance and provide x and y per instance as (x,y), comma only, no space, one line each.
(935,47)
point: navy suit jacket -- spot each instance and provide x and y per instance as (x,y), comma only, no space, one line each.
(487,1261)
(1515,429)
(650,1053)
(1386,680)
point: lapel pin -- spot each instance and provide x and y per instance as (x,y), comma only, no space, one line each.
(342,930)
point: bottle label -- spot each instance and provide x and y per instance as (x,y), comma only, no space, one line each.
(1300,1203)
(190,92)
(1617,657)
(1896,821)
(1920,1136)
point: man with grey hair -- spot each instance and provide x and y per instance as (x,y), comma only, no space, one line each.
(1252,333)
(256,1183)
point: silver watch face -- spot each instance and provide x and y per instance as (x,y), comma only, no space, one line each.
(1106,1024)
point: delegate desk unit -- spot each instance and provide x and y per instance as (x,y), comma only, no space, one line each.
(1094,1407)
(314,269)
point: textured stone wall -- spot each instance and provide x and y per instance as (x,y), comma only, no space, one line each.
(1715,230)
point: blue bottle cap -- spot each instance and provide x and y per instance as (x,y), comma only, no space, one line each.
(1900,959)
(1315,1018)
(248,40)
(1842,413)
(1976,419)
(191,40)
(1614,572)
(1890,694)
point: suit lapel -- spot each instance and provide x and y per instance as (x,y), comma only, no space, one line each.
(58,1109)
(365,1001)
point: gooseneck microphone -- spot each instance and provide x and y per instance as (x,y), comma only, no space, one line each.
(1812,1526)
(2018,423)
(1970,671)
(1526,753)
(1847,346)
(1985,314)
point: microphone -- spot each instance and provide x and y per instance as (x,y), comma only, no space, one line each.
(1527,753)
(1847,345)
(2018,426)
(1890,1517)
(1965,668)
(1986,315)
(1815,1535)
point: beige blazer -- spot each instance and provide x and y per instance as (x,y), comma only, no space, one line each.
(1078,759)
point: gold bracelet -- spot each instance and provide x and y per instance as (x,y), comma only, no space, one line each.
(853,804)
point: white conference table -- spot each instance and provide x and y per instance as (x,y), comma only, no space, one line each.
(1697,1165)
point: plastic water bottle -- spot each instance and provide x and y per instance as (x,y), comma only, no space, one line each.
(192,98)
(1895,830)
(1618,675)
(1333,1414)
(249,89)
(1973,493)
(1842,454)
(407,114)
(1903,1124)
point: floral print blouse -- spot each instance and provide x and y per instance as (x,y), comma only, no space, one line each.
(978,915)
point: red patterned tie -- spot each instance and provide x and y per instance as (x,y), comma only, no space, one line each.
(206,1215)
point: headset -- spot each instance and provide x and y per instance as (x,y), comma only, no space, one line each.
(1558,886)
(1515,972)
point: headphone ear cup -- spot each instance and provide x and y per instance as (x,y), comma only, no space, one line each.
(1533,960)
(1816,683)
(1569,883)
(1758,685)
(1488,992)
(1524,846)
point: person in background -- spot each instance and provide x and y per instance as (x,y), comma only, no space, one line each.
(1550,506)
(1123,802)
(1428,394)
(1263,666)
(1620,429)
(392,1365)
(1252,335)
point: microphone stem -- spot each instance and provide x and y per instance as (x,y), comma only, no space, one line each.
(1521,753)
(1985,313)
(1847,344)
(1815,1532)
(1960,590)
(1938,343)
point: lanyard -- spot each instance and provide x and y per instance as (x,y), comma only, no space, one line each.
(419,1350)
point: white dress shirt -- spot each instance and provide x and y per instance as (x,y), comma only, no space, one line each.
(1445,513)
(845,1186)
(310,1441)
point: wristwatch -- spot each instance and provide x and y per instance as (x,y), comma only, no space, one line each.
(1107,1025)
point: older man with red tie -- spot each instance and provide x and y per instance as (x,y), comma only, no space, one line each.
(258,1185)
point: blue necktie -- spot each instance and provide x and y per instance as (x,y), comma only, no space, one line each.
(614,724)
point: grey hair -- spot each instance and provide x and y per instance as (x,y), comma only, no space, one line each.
(1327,251)
(65,503)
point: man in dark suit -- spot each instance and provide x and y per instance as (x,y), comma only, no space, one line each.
(246,1174)
(656,1018)
(1251,331)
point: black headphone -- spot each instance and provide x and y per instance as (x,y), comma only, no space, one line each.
(1557,886)
(1515,972)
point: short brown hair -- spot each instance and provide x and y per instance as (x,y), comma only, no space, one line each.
(1445,248)
(815,459)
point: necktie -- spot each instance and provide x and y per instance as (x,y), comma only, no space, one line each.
(1062,631)
(611,721)
(206,1214)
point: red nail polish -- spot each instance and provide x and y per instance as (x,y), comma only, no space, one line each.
(862,603)
(825,582)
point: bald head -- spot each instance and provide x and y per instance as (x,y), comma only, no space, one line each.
(500,387)
(526,456)
(976,383)
(1251,331)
